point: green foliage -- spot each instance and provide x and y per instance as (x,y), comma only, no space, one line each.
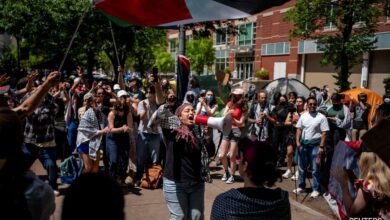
(201,52)
(164,61)
(386,81)
(147,42)
(353,25)
(262,73)
(8,62)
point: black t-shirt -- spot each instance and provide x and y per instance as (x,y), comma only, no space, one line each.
(183,163)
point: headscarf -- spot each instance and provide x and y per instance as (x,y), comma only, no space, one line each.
(183,132)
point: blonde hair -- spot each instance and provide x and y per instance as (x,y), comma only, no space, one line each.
(376,171)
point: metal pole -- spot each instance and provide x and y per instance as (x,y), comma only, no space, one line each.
(182,40)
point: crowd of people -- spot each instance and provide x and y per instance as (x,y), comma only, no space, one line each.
(138,121)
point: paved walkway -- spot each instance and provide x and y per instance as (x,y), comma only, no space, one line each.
(150,204)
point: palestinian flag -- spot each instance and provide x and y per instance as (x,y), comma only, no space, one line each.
(175,12)
(183,77)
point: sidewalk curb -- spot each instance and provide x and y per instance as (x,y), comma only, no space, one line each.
(307,209)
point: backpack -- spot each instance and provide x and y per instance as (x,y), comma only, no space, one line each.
(152,178)
(70,169)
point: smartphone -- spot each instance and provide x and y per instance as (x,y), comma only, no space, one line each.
(155,74)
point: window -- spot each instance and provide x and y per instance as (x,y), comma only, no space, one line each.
(275,49)
(221,57)
(388,11)
(172,48)
(332,15)
(221,37)
(247,34)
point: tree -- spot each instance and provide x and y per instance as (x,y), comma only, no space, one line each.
(164,61)
(147,41)
(353,24)
(201,52)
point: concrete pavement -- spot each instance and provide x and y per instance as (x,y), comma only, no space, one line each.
(150,204)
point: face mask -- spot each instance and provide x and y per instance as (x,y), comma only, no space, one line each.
(336,106)
(190,98)
(236,98)
(387,101)
(172,99)
(209,98)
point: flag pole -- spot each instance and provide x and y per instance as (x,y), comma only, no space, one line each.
(113,41)
(71,41)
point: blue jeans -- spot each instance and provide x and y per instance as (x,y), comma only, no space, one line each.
(147,145)
(47,157)
(118,156)
(72,135)
(308,155)
(185,200)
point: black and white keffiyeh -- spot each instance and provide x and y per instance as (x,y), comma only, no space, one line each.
(89,126)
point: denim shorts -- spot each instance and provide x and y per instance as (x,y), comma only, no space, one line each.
(234,135)
(83,148)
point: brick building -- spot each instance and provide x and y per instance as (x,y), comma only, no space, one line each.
(266,44)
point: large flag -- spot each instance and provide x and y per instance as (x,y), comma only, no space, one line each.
(175,12)
(183,77)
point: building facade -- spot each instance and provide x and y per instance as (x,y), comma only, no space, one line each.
(265,44)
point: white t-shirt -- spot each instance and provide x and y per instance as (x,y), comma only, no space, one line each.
(312,125)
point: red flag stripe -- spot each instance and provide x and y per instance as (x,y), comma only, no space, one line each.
(137,12)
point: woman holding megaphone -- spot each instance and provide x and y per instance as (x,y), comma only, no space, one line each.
(236,107)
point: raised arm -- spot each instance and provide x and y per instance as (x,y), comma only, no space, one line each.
(31,103)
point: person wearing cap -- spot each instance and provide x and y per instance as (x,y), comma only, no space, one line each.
(373,187)
(89,136)
(183,186)
(120,123)
(256,199)
(236,108)
(23,194)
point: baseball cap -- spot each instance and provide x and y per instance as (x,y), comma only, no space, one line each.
(238,92)
(122,93)
(117,87)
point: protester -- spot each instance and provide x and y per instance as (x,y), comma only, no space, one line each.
(294,112)
(360,116)
(280,130)
(310,140)
(207,104)
(382,111)
(148,142)
(256,200)
(23,194)
(120,123)
(183,186)
(39,139)
(236,107)
(258,117)
(89,137)
(373,187)
(93,196)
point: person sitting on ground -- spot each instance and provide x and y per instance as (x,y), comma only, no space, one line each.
(23,194)
(256,200)
(93,196)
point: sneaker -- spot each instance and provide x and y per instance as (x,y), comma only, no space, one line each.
(287,174)
(298,190)
(225,176)
(314,194)
(296,176)
(230,180)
